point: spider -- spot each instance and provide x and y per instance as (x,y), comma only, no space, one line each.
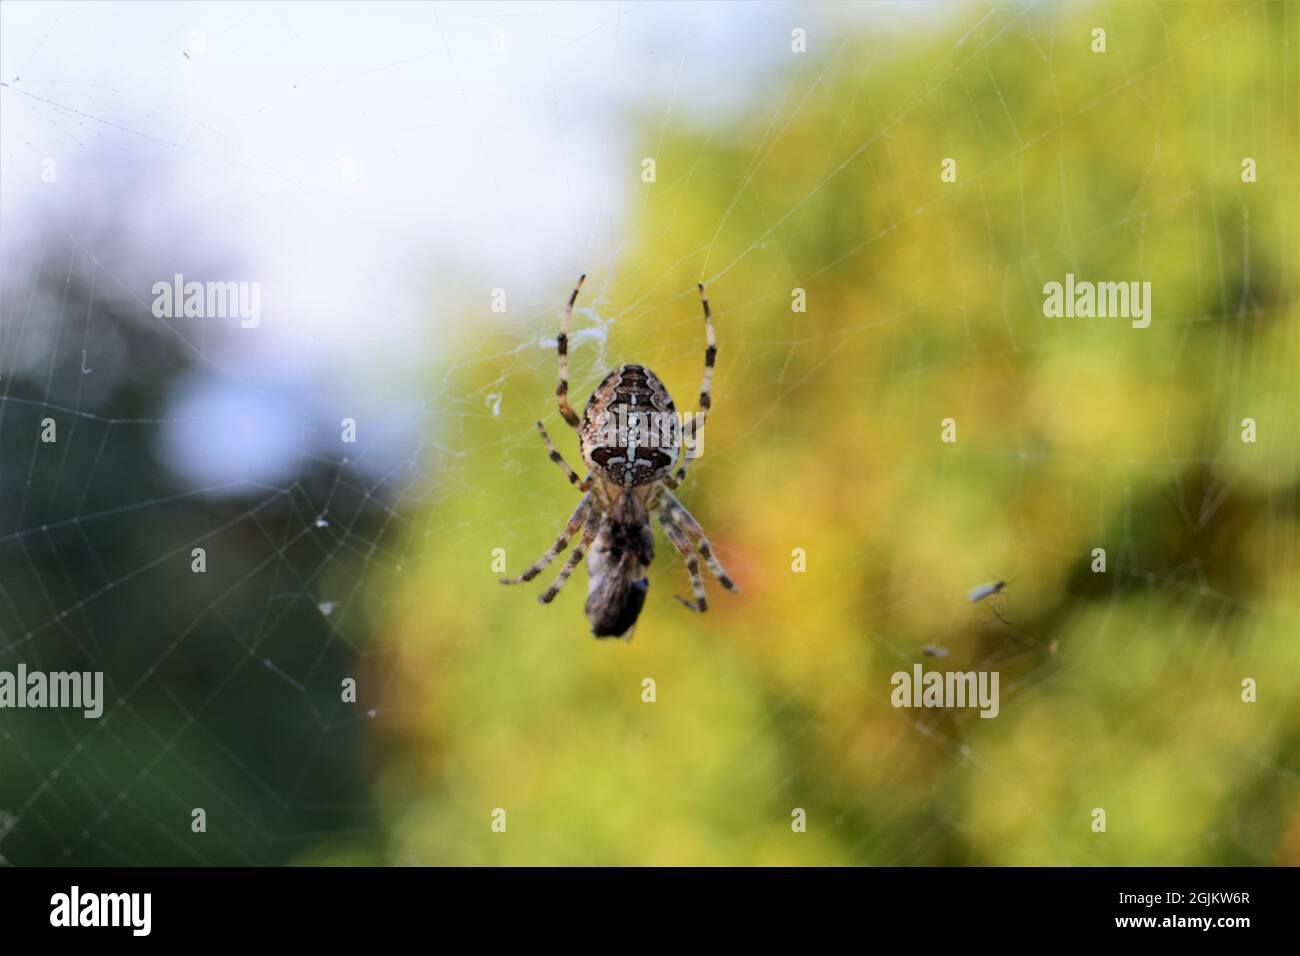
(630,478)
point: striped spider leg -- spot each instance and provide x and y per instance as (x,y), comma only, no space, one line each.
(582,484)
(588,535)
(580,517)
(683,545)
(562,352)
(696,425)
(673,516)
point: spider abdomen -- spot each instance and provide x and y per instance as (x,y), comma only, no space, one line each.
(629,430)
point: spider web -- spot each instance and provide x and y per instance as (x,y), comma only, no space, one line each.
(383,175)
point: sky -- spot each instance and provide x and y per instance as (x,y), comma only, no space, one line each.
(378,168)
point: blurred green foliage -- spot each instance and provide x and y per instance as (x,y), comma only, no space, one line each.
(1120,690)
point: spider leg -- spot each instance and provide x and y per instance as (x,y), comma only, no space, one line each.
(683,545)
(582,484)
(576,521)
(706,388)
(678,514)
(562,350)
(587,537)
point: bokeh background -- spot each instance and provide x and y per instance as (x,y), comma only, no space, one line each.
(383,169)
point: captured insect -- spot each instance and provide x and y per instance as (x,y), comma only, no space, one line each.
(630,478)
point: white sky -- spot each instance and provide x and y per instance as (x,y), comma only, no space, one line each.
(222,136)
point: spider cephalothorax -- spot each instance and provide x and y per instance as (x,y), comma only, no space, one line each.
(630,439)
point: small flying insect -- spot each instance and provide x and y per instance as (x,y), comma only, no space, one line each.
(993,589)
(986,590)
